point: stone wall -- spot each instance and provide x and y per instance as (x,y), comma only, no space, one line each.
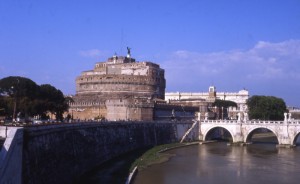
(11,155)
(60,154)
(87,113)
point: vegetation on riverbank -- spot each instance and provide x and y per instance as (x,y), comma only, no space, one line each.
(156,155)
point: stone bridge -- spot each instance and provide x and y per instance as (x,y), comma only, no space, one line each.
(286,131)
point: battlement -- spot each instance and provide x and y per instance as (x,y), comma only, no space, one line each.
(120,59)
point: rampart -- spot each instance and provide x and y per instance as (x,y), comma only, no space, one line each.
(62,153)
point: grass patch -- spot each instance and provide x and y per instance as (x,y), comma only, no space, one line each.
(155,155)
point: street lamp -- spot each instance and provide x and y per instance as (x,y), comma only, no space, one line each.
(72,117)
(15,104)
(222,113)
(15,99)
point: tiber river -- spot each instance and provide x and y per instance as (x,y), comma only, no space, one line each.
(215,163)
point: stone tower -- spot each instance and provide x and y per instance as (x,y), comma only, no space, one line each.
(212,94)
(118,89)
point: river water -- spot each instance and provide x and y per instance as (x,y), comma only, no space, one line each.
(217,163)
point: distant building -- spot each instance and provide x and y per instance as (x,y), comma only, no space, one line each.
(175,111)
(118,89)
(204,100)
(295,112)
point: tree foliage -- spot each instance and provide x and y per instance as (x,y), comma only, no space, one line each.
(266,108)
(224,103)
(30,98)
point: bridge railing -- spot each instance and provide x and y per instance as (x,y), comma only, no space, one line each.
(221,121)
(253,122)
(294,122)
(265,122)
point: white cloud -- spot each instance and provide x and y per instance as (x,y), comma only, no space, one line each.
(265,62)
(285,48)
(269,73)
(93,53)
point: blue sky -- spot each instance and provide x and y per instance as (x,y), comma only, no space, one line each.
(232,44)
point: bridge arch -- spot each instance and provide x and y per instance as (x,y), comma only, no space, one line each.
(297,136)
(212,128)
(256,129)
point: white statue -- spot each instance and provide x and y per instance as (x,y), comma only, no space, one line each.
(285,116)
(239,116)
(206,116)
(245,116)
(290,117)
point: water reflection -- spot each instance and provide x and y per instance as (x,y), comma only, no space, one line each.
(219,163)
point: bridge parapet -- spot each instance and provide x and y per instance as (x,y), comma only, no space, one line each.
(221,122)
(258,122)
(294,122)
(251,122)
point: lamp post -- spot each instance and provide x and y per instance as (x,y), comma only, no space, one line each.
(15,104)
(15,91)
(216,113)
(222,113)
(72,115)
(15,108)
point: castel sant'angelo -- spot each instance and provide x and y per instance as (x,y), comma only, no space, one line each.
(123,89)
(118,89)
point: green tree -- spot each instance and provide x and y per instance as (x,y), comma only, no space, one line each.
(30,99)
(17,94)
(53,100)
(266,108)
(224,103)
(3,106)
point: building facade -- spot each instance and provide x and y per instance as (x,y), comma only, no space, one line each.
(205,99)
(118,89)
(295,112)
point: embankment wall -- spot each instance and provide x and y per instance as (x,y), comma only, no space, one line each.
(62,153)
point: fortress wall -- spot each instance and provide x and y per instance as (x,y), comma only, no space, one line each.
(183,127)
(61,153)
(117,85)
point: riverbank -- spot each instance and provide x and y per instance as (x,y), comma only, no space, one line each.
(219,163)
(157,155)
